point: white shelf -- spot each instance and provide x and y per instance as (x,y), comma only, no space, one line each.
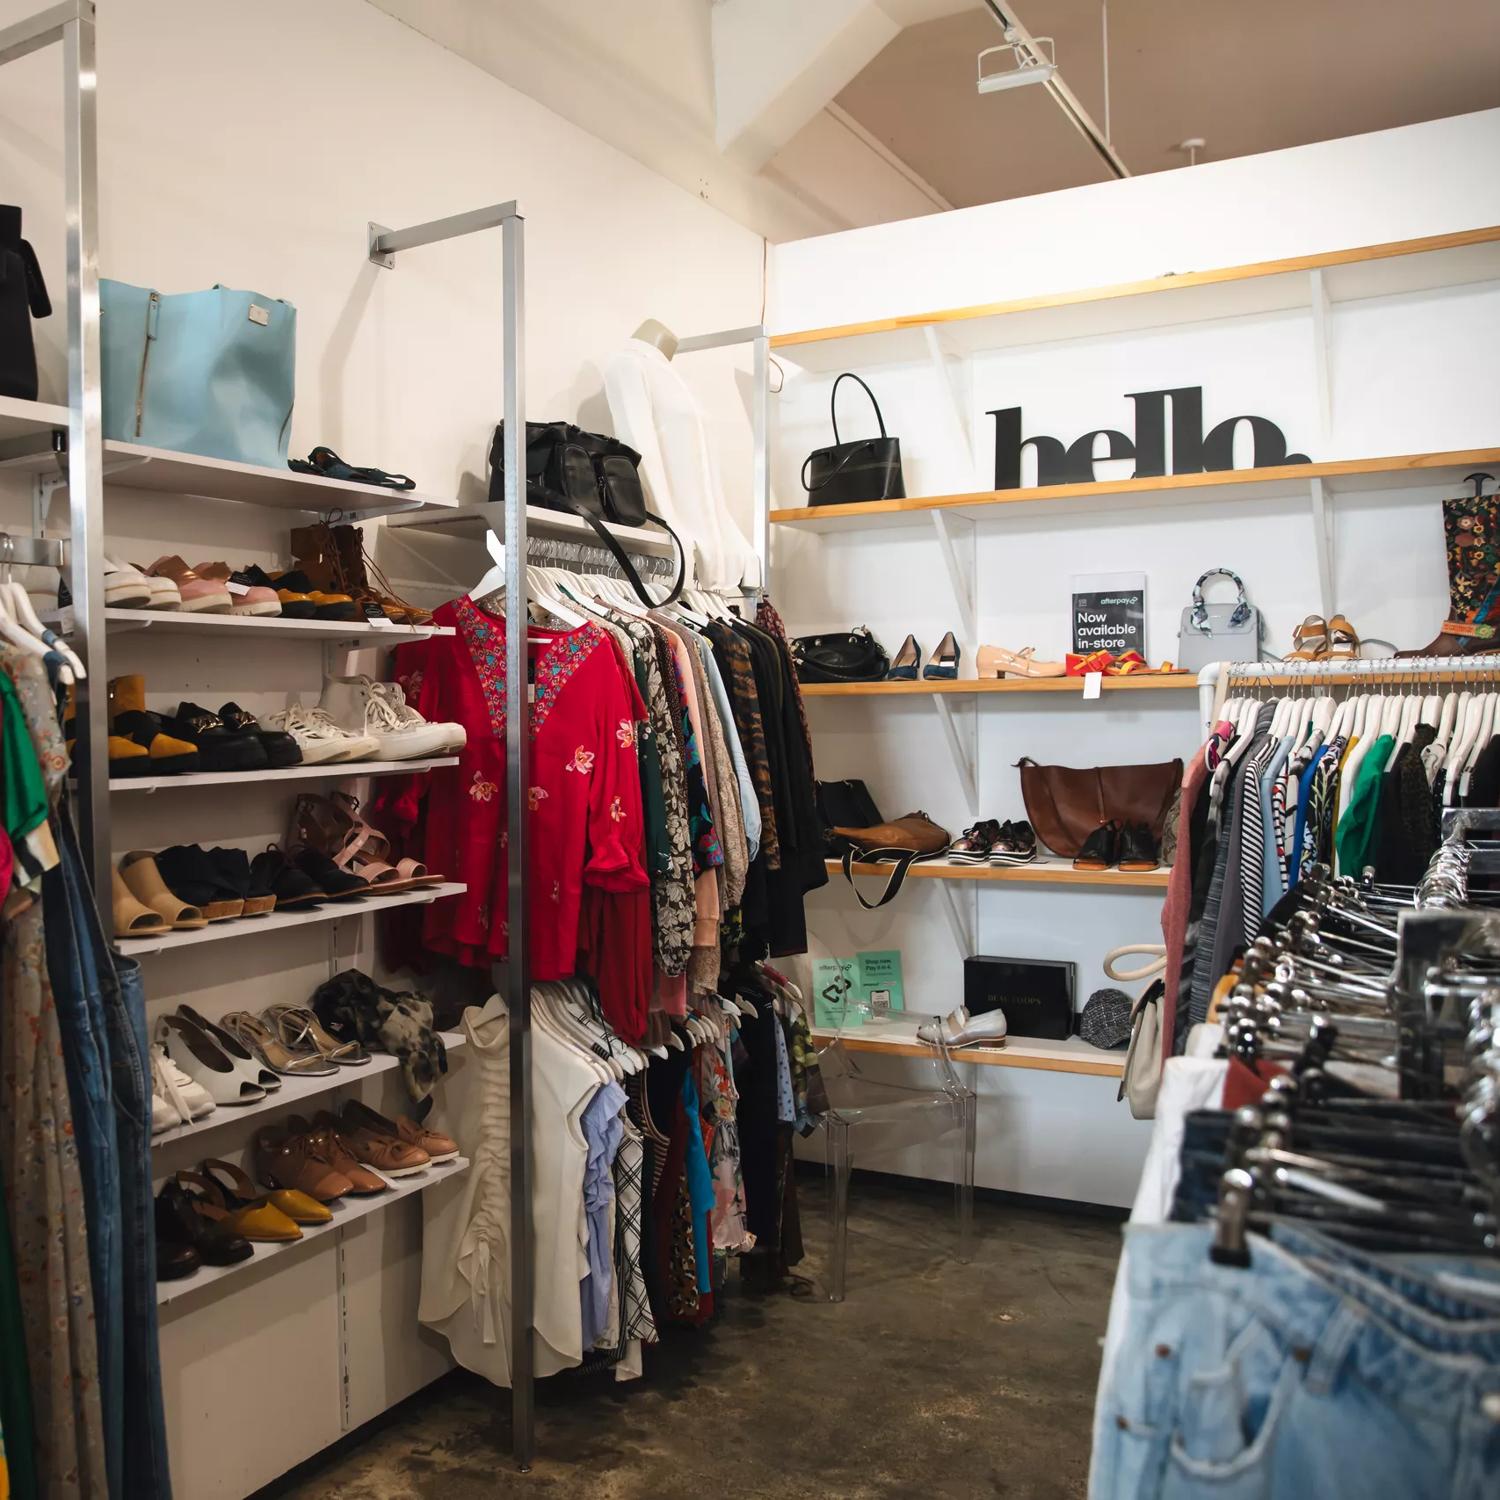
(1182,294)
(343,769)
(133,466)
(293,1091)
(249,627)
(280,921)
(346,1211)
(470,522)
(24,418)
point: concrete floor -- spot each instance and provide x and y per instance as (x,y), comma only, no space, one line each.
(932,1379)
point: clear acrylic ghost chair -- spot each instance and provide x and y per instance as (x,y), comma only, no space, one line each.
(867,1117)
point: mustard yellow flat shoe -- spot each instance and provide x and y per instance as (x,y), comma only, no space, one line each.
(256,1221)
(240,1192)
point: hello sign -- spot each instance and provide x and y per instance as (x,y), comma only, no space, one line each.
(1192,451)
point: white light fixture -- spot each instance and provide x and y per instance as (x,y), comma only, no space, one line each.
(1031,66)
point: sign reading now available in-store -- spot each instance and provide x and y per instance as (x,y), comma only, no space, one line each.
(1192,451)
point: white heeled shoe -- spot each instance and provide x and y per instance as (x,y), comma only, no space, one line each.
(988,1030)
(226,1081)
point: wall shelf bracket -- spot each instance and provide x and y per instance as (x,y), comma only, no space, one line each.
(959,908)
(962,743)
(960,565)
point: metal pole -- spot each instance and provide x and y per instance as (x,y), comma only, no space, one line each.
(517,755)
(761,458)
(86,451)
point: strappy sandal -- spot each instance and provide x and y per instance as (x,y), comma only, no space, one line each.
(1343,640)
(1310,640)
(299,1026)
(366,853)
(332,827)
(258,1220)
(253,1033)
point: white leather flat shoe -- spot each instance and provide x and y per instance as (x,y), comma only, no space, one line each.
(987,1030)
(200,1057)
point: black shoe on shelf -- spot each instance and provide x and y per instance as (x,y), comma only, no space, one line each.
(282,749)
(1100,849)
(193,877)
(1015,845)
(1139,851)
(336,884)
(219,747)
(293,888)
(295,605)
(973,848)
(178,1222)
(233,868)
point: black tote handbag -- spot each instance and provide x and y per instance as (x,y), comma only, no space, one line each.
(23,296)
(841,656)
(866,469)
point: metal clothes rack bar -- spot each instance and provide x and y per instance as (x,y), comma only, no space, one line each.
(1217,681)
(45,551)
(512,977)
(72,25)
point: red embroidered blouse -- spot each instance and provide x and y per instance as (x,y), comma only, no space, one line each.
(584,794)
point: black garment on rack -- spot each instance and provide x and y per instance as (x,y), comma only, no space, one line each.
(1484,779)
(1407,837)
(755,1114)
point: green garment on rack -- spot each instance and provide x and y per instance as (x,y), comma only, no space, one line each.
(18,1454)
(1355,840)
(23,793)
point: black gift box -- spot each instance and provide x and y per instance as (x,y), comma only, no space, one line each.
(1036,994)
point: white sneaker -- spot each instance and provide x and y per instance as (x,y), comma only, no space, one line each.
(455,735)
(126,587)
(175,1098)
(192,1095)
(354,703)
(164,591)
(40,582)
(321,740)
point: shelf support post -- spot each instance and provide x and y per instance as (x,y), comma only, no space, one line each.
(1318,296)
(945,363)
(960,744)
(1322,516)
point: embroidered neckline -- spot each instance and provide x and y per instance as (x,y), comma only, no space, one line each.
(560,658)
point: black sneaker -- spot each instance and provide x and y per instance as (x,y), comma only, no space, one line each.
(1016,844)
(219,747)
(974,846)
(282,749)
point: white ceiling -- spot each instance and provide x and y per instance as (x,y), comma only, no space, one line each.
(903,131)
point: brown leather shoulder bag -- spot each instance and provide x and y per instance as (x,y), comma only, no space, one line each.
(900,843)
(1066,804)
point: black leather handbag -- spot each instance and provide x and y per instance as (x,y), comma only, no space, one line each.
(23,296)
(844,804)
(844,656)
(591,476)
(866,469)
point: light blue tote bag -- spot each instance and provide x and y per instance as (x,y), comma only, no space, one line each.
(199,372)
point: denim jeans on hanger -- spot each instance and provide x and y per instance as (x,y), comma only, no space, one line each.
(110,993)
(78,967)
(145,1417)
(1316,1370)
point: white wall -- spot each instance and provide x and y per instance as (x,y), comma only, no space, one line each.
(251,145)
(1409,373)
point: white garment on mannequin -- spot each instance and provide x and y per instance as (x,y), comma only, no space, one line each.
(656,414)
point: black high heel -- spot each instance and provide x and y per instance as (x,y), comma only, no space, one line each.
(944,664)
(907,660)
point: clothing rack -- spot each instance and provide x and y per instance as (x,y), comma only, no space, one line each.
(583,557)
(1216,681)
(44,551)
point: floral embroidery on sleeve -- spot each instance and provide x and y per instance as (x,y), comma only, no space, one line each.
(480,789)
(582,762)
(536,795)
(625,734)
(616,812)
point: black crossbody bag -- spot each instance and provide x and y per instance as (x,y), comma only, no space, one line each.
(591,476)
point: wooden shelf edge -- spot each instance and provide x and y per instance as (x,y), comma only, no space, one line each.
(1043,872)
(1141,682)
(1166,484)
(1251,271)
(994,1057)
